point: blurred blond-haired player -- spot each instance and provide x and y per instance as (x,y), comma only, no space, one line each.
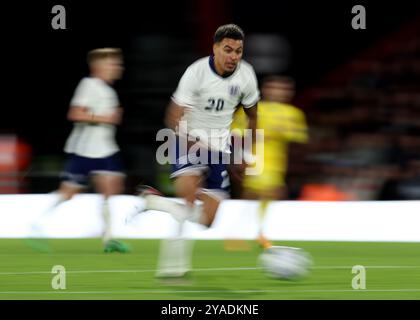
(93,152)
(282,123)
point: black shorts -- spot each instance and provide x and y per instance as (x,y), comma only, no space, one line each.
(78,168)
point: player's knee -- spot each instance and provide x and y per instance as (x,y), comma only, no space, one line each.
(186,191)
(109,192)
(67,195)
(109,188)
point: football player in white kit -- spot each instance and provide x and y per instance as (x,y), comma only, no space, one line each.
(92,149)
(202,109)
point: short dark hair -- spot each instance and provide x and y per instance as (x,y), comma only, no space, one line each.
(231,31)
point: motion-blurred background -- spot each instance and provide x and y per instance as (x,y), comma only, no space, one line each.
(360,89)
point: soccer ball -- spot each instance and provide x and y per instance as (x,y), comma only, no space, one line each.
(285,263)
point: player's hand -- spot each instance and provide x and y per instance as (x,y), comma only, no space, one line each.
(236,171)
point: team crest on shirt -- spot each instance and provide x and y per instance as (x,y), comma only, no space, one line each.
(234,90)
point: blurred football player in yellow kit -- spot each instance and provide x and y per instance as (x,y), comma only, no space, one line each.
(282,123)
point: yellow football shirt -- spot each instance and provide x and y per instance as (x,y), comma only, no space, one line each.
(282,123)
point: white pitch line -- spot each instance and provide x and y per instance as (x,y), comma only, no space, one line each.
(200,270)
(129,271)
(211,291)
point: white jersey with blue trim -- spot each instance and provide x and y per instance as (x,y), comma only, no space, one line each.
(210,100)
(93,140)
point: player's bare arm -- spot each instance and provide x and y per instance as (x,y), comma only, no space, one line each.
(82,114)
(173,115)
(252,119)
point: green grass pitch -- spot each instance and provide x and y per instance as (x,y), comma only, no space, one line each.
(392,272)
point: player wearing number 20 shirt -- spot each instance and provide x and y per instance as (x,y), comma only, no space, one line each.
(202,109)
(209,100)
(200,113)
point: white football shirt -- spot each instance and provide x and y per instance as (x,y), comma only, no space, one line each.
(93,140)
(210,100)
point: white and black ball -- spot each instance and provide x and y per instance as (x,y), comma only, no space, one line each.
(285,263)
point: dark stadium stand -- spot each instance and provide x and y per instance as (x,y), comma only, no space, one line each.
(365,132)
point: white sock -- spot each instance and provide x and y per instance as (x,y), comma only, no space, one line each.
(58,199)
(106,215)
(196,214)
(175,257)
(177,210)
(180,212)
